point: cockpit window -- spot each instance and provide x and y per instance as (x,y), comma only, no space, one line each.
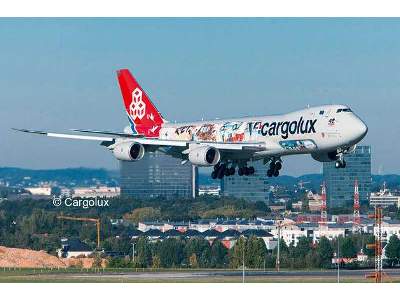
(343,110)
(321,112)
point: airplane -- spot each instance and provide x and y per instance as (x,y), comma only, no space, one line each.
(327,133)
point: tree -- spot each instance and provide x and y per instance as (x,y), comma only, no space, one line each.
(143,250)
(347,248)
(156,262)
(171,253)
(303,247)
(143,214)
(392,249)
(255,252)
(237,253)
(305,203)
(218,255)
(325,251)
(193,261)
(369,251)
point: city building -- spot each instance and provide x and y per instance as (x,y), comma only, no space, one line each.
(39,191)
(340,182)
(95,192)
(210,190)
(384,198)
(252,188)
(389,228)
(158,175)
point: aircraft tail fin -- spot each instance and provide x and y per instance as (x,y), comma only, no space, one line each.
(144,117)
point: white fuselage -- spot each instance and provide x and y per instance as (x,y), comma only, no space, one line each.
(314,129)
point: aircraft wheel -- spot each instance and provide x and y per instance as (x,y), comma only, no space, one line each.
(251,170)
(246,171)
(240,171)
(276,173)
(214,175)
(343,164)
(338,164)
(269,173)
(227,171)
(221,172)
(231,171)
(278,165)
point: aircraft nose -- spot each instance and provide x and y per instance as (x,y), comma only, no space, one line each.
(362,129)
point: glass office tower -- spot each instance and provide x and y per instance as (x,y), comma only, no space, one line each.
(252,188)
(340,182)
(158,175)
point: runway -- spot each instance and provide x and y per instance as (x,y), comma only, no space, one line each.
(236,275)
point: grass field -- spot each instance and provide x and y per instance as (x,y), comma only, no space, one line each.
(170,276)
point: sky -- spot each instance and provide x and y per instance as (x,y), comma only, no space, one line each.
(57,74)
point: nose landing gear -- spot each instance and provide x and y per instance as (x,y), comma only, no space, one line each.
(340,163)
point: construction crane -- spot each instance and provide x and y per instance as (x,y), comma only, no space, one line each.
(324,215)
(97,221)
(377,246)
(356,214)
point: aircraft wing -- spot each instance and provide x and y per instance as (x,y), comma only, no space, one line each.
(110,136)
(67,136)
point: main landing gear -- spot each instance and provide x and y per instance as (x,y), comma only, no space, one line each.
(221,170)
(274,168)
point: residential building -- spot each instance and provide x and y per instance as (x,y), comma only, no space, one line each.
(73,248)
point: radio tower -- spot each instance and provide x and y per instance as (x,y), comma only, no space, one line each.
(356,204)
(324,218)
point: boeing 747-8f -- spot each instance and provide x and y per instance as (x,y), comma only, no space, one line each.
(326,132)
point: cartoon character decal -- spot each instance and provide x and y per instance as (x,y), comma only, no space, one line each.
(185,132)
(232,132)
(298,145)
(206,132)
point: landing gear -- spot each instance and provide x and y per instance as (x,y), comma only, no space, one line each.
(340,163)
(221,170)
(246,171)
(274,168)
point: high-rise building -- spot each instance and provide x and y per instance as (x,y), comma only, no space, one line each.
(340,182)
(158,175)
(252,188)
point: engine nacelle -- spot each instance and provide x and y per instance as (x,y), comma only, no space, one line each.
(129,151)
(325,156)
(204,156)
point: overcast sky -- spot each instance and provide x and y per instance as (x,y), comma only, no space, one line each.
(60,73)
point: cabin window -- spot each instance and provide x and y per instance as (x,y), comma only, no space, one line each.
(343,110)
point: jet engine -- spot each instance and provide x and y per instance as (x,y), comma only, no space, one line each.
(204,156)
(325,156)
(129,151)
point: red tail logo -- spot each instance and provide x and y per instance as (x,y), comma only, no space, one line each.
(143,115)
